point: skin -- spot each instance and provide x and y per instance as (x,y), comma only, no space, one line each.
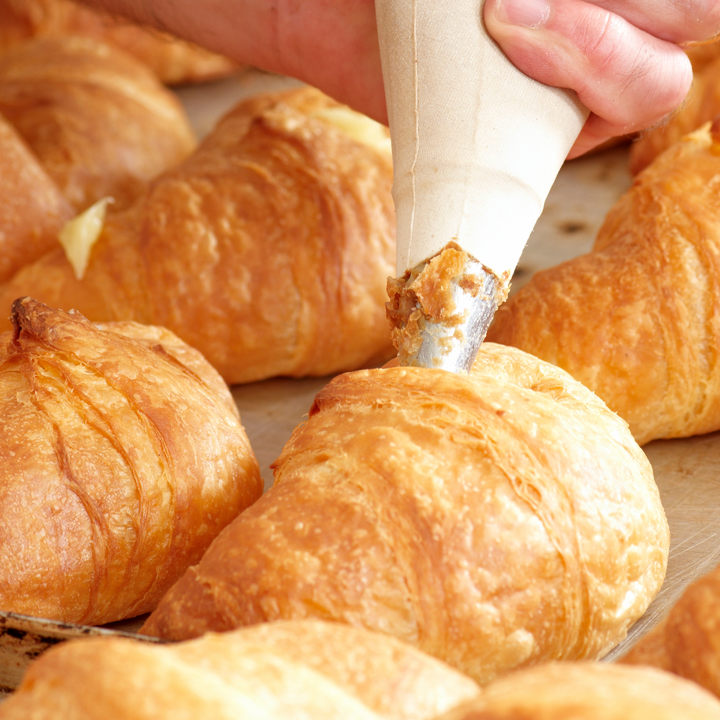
(622,57)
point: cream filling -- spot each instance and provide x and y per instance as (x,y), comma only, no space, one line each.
(79,235)
(357,126)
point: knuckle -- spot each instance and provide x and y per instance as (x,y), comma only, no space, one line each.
(609,50)
(656,90)
(643,81)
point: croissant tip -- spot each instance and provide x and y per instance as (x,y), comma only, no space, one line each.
(32,316)
(19,312)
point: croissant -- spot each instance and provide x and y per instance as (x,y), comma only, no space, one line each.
(33,210)
(297,669)
(701,106)
(268,250)
(702,53)
(589,691)
(687,641)
(636,320)
(121,457)
(494,521)
(174,61)
(98,121)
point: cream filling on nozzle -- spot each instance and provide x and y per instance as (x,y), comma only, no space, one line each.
(476,143)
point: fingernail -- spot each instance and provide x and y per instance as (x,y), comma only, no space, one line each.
(525,13)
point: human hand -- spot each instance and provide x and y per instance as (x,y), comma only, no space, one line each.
(329,44)
(622,57)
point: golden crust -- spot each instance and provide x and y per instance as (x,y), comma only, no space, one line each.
(98,121)
(637,320)
(279,670)
(32,210)
(589,691)
(121,458)
(172,60)
(702,53)
(688,641)
(495,520)
(267,250)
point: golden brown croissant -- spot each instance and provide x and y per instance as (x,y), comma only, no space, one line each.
(99,122)
(637,320)
(701,106)
(121,457)
(172,60)
(268,250)
(495,520)
(687,641)
(301,669)
(589,691)
(32,211)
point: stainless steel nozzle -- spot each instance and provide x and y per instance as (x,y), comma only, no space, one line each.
(441,311)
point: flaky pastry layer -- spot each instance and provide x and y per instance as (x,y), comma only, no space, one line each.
(121,457)
(172,60)
(495,520)
(99,122)
(589,691)
(637,320)
(299,669)
(268,250)
(32,211)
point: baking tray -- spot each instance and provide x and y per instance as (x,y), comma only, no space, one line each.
(685,470)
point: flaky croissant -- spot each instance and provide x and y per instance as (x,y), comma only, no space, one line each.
(701,106)
(172,60)
(300,669)
(32,210)
(121,457)
(97,120)
(637,320)
(589,691)
(268,250)
(495,520)
(687,641)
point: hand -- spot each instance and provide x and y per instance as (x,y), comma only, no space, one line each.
(330,44)
(621,56)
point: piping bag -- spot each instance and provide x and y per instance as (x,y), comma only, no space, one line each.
(476,148)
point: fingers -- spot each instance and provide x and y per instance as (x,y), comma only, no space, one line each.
(678,21)
(628,78)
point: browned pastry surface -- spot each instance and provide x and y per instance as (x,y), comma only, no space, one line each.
(589,691)
(637,320)
(32,210)
(687,642)
(701,106)
(99,122)
(172,60)
(121,457)
(702,53)
(495,520)
(268,250)
(300,669)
